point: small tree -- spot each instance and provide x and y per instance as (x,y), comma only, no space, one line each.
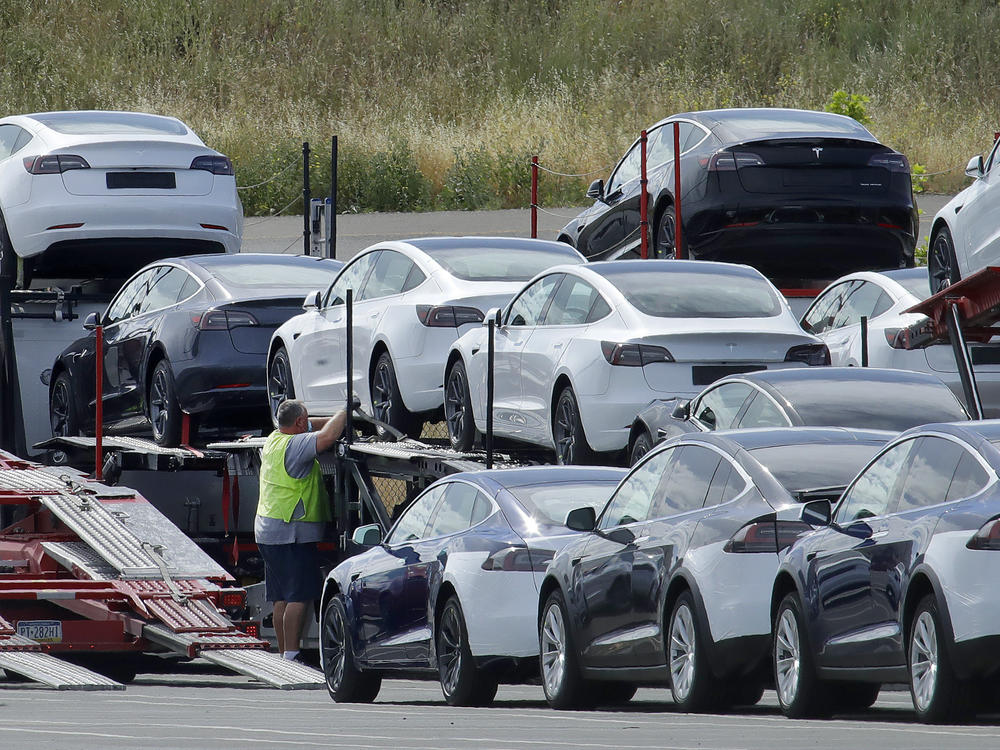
(852,105)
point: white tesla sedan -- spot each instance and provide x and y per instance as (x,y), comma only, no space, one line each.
(583,348)
(85,191)
(836,314)
(412,300)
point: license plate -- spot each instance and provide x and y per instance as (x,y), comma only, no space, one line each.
(43,631)
(141,180)
(707,374)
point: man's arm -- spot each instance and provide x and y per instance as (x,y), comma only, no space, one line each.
(329,430)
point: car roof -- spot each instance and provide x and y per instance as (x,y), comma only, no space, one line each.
(833,375)
(920,272)
(430,244)
(612,268)
(972,431)
(777,437)
(203,266)
(531,475)
(742,124)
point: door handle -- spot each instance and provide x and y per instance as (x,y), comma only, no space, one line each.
(879,534)
(557,346)
(373,315)
(575,561)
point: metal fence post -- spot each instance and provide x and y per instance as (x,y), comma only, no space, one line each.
(331,246)
(534,197)
(490,355)
(644,200)
(349,423)
(99,406)
(678,252)
(864,341)
(306,198)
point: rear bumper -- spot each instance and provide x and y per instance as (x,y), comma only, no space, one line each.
(220,379)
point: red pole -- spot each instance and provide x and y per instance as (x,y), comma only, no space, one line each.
(677,191)
(99,407)
(534,197)
(644,200)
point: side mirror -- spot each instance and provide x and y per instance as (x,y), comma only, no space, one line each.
(367,536)
(91,321)
(682,410)
(817,513)
(596,190)
(496,315)
(581,519)
(311,302)
(975,167)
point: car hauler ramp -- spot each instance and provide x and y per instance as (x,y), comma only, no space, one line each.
(97,570)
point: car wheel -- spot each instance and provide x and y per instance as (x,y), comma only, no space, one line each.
(748,692)
(938,695)
(665,237)
(567,431)
(801,694)
(562,682)
(8,258)
(942,265)
(458,408)
(642,445)
(461,683)
(387,403)
(164,410)
(279,382)
(63,416)
(855,696)
(614,693)
(344,681)
(691,683)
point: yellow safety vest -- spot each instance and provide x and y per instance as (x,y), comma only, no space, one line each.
(280,492)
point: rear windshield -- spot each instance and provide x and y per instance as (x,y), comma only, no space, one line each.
(507,264)
(96,123)
(308,276)
(772,122)
(917,286)
(550,503)
(697,295)
(806,467)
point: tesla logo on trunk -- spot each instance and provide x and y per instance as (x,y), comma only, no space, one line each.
(817,151)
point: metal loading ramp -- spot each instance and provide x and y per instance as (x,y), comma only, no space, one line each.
(24,656)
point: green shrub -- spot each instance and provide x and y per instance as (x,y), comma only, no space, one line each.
(852,105)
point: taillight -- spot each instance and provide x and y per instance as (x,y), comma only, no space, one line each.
(634,355)
(53,163)
(988,537)
(766,536)
(893,339)
(730,161)
(213,164)
(250,627)
(223,320)
(233,597)
(448,316)
(811,354)
(891,161)
(519,559)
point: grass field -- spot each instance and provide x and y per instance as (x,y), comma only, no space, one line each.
(440,103)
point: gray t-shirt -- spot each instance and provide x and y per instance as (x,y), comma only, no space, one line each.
(299,456)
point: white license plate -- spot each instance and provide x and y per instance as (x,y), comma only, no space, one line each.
(43,631)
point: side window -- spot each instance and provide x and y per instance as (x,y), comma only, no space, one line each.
(875,490)
(8,138)
(860,300)
(414,521)
(600,309)
(718,408)
(632,500)
(391,271)
(686,486)
(164,288)
(820,316)
(883,303)
(692,138)
(22,140)
(528,308)
(992,160)
(415,278)
(627,171)
(352,277)
(191,286)
(129,299)
(970,478)
(929,473)
(572,303)
(660,147)
(763,412)
(454,514)
(727,483)
(482,510)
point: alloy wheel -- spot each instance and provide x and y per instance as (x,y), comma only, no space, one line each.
(787,657)
(565,431)
(682,653)
(924,660)
(382,392)
(553,649)
(666,237)
(454,402)
(334,652)
(940,262)
(450,650)
(59,411)
(277,383)
(159,402)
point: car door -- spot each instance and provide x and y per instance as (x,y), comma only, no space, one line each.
(602,575)
(839,565)
(318,355)
(980,219)
(120,366)
(762,411)
(718,407)
(843,338)
(605,231)
(523,316)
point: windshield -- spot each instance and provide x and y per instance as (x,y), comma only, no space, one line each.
(805,467)
(496,264)
(308,276)
(697,294)
(917,286)
(550,503)
(94,123)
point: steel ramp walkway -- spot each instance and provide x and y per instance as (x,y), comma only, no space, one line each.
(24,656)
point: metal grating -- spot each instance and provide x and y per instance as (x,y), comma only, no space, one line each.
(79,556)
(193,616)
(29,481)
(269,668)
(54,672)
(15,642)
(194,642)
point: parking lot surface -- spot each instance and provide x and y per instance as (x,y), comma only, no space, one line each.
(210,711)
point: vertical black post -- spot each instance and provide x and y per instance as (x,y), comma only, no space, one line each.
(306,198)
(11,422)
(489,394)
(331,247)
(349,426)
(964,362)
(864,341)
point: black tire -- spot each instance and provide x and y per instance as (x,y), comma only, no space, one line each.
(387,403)
(851,697)
(461,683)
(567,431)
(939,696)
(747,692)
(642,445)
(344,681)
(164,409)
(692,685)
(64,417)
(942,265)
(458,408)
(562,680)
(613,693)
(665,234)
(806,695)
(279,382)
(8,258)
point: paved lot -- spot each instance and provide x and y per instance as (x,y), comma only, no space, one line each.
(210,711)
